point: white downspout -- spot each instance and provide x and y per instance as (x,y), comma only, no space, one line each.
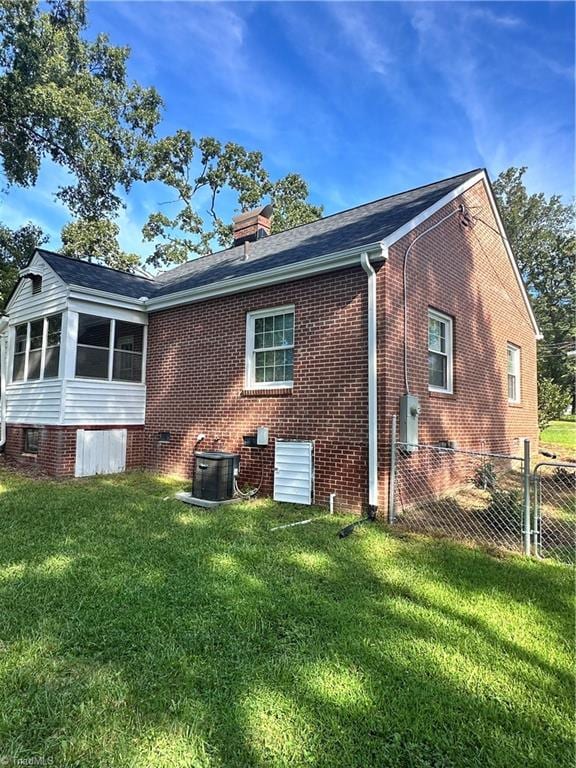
(372,389)
(3,364)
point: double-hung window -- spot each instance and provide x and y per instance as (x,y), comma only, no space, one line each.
(37,349)
(109,349)
(440,357)
(270,348)
(513,373)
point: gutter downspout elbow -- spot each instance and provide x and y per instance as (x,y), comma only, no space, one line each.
(3,363)
(372,388)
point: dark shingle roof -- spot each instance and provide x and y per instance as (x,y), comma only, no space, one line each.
(357,227)
(88,275)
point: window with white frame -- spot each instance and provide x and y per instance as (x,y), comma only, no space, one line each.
(440,362)
(37,349)
(513,373)
(109,349)
(270,348)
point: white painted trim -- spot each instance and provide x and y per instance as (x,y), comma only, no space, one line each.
(517,372)
(249,376)
(21,282)
(449,322)
(426,214)
(506,242)
(104,297)
(465,186)
(329,262)
(372,384)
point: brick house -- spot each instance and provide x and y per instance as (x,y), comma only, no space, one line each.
(314,333)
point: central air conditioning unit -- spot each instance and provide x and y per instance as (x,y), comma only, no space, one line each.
(214,474)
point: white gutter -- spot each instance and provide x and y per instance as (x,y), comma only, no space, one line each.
(3,363)
(282,274)
(372,388)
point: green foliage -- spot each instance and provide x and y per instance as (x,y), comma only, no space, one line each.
(68,99)
(484,476)
(505,503)
(16,248)
(541,234)
(553,400)
(141,632)
(97,239)
(188,167)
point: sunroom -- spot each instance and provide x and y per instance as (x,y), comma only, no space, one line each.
(72,356)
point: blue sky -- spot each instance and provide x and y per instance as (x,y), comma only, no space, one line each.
(362,99)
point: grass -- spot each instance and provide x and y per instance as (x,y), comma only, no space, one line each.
(560,438)
(140,632)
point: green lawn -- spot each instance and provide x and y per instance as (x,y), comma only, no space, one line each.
(140,632)
(560,437)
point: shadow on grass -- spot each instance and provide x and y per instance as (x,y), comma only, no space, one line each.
(137,631)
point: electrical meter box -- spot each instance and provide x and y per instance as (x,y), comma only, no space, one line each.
(409,412)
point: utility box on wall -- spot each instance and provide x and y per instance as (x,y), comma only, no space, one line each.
(409,412)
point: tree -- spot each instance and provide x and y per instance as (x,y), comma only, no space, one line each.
(541,235)
(15,249)
(189,167)
(553,401)
(67,99)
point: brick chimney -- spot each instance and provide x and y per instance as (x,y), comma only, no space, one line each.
(252,225)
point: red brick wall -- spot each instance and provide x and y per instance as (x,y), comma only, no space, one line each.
(57,447)
(195,382)
(464,273)
(195,370)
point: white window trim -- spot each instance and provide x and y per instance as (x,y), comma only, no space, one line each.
(111,351)
(44,347)
(517,372)
(251,317)
(435,315)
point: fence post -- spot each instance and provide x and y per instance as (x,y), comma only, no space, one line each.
(527,521)
(392,483)
(536,490)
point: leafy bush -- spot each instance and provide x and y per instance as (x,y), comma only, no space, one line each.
(553,401)
(506,503)
(485,476)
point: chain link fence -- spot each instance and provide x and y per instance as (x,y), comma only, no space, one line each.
(554,503)
(474,496)
(486,496)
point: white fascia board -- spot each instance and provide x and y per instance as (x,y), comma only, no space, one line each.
(104,297)
(523,291)
(329,262)
(425,215)
(27,270)
(480,176)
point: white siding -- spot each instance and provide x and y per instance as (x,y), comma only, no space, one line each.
(293,472)
(68,400)
(100,452)
(86,401)
(34,402)
(51,299)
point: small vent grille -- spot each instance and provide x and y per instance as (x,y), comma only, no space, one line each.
(36,284)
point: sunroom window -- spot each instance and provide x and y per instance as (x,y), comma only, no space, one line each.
(109,349)
(37,349)
(270,348)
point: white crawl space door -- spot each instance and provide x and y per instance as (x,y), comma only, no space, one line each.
(293,471)
(100,451)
